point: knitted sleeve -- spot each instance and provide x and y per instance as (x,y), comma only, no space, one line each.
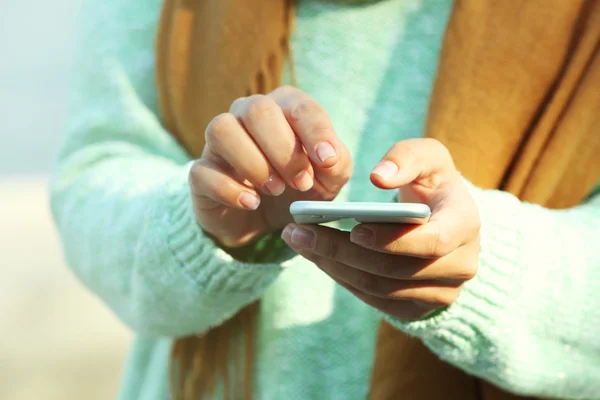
(530,321)
(120,196)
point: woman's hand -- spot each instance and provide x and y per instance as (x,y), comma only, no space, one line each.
(262,155)
(406,271)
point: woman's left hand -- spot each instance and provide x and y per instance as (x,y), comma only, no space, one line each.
(406,271)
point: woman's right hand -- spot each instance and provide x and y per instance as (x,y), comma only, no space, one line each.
(265,153)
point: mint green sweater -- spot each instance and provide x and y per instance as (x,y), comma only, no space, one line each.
(528,322)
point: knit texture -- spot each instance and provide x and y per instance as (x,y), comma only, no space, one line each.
(120,197)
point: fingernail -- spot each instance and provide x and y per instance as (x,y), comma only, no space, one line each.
(303,181)
(275,186)
(363,237)
(303,238)
(249,200)
(286,235)
(386,169)
(325,150)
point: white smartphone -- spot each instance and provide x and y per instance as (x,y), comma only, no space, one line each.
(319,212)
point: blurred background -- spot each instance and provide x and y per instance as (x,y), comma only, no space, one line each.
(57,340)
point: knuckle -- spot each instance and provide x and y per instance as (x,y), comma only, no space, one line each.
(441,244)
(441,298)
(476,228)
(218,127)
(332,248)
(196,171)
(437,147)
(434,143)
(443,301)
(365,284)
(387,267)
(468,272)
(305,109)
(332,188)
(329,192)
(285,90)
(320,126)
(439,151)
(196,176)
(346,174)
(472,219)
(404,152)
(260,108)
(237,104)
(396,246)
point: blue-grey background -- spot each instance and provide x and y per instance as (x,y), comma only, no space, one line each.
(57,341)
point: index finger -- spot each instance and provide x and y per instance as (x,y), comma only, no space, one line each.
(312,125)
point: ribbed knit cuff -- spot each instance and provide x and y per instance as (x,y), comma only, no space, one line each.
(201,259)
(459,332)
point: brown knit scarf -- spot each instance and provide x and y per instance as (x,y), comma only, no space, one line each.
(516,100)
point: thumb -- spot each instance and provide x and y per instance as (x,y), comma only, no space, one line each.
(425,163)
(426,169)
